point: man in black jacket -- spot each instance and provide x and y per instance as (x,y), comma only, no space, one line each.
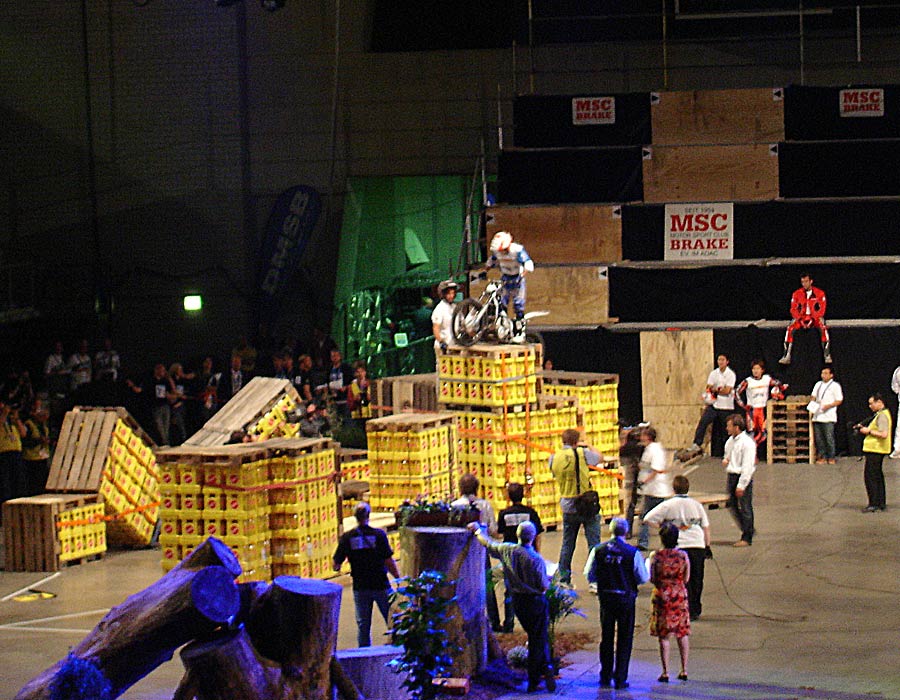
(618,569)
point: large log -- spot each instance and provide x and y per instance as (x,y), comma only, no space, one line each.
(228,667)
(454,552)
(295,624)
(190,602)
(284,651)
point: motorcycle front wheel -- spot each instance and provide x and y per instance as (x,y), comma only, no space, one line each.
(466,325)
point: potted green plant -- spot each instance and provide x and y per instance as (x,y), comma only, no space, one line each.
(561,602)
(419,626)
(423,512)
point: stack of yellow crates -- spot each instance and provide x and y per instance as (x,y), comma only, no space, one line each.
(274,423)
(130,487)
(272,503)
(597,395)
(500,448)
(411,455)
(82,532)
(489,375)
(303,511)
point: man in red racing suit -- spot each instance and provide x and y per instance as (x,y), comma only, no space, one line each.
(808,310)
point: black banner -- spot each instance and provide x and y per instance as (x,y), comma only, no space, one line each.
(741,293)
(548,120)
(781,229)
(571,175)
(839,169)
(834,113)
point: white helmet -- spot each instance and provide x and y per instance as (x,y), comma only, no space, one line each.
(502,240)
(445,285)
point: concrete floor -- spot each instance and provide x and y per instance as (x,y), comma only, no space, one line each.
(810,611)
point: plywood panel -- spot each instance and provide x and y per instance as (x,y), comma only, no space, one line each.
(562,233)
(710,173)
(674,367)
(718,117)
(574,295)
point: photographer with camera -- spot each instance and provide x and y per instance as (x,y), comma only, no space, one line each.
(12,468)
(876,444)
(571,467)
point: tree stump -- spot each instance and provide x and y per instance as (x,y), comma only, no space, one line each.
(228,667)
(454,552)
(188,603)
(295,624)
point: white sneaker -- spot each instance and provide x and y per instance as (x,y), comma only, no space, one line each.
(894,455)
(592,587)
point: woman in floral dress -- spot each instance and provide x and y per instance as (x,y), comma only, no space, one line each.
(670,570)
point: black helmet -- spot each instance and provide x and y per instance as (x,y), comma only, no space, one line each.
(445,285)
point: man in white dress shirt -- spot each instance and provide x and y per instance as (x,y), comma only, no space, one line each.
(720,390)
(740,464)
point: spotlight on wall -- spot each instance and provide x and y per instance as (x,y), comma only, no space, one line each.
(272,5)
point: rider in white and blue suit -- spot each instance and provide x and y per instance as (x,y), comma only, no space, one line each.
(514,263)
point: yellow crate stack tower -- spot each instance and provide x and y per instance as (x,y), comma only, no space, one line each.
(598,400)
(411,455)
(273,503)
(506,433)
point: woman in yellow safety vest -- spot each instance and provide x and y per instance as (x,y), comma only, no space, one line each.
(358,394)
(12,471)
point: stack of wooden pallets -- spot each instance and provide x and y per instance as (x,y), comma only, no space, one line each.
(260,409)
(790,431)
(414,392)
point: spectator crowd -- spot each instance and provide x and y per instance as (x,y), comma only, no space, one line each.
(171,401)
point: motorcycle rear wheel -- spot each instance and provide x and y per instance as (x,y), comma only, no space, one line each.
(461,323)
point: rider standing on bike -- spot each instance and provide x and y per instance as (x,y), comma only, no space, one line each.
(514,263)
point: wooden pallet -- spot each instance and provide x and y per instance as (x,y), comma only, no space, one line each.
(553,402)
(419,391)
(496,352)
(579,378)
(83,447)
(30,535)
(250,404)
(242,453)
(411,422)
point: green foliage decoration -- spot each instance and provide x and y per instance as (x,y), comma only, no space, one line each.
(419,626)
(561,602)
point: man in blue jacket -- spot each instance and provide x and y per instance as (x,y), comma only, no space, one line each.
(618,569)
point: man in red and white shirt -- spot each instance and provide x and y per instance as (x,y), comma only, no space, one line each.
(808,310)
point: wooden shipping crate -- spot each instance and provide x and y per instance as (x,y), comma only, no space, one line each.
(562,233)
(718,117)
(710,173)
(30,534)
